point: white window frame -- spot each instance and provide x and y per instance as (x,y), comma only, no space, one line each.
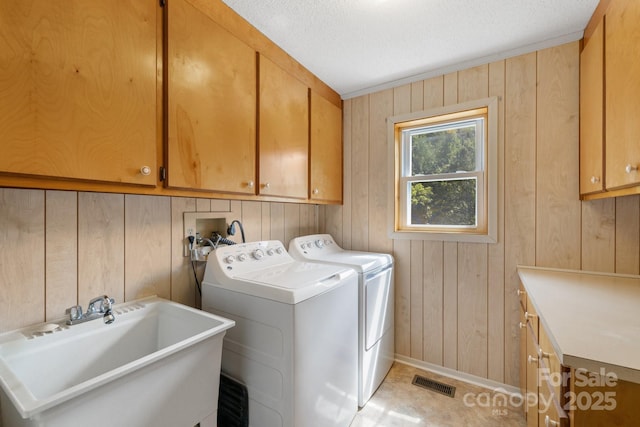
(485,174)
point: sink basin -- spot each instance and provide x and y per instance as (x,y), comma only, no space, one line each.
(157,364)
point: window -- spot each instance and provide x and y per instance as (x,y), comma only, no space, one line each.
(444,173)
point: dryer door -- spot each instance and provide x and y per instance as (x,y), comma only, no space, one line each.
(377,304)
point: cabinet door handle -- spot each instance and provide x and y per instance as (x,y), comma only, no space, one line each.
(250,184)
(631,168)
(528,315)
(532,359)
(145,170)
(543,354)
(316,191)
(266,185)
(520,292)
(522,325)
(595,179)
(548,422)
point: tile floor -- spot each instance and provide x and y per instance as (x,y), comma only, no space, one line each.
(398,403)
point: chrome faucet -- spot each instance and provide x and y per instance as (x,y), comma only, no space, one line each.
(98,307)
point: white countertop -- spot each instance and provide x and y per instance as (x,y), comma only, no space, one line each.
(592,319)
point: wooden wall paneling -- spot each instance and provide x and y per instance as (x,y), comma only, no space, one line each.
(100,246)
(417,96)
(432,302)
(433,92)
(450,304)
(265,227)
(251,221)
(473,84)
(291,222)
(402,282)
(495,264)
(203,205)
(519,193)
(22,258)
(276,225)
(183,287)
(627,229)
(360,174)
(219,205)
(147,246)
(472,309)
(402,255)
(599,235)
(308,220)
(558,206)
(416,303)
(381,107)
(61,248)
(450,264)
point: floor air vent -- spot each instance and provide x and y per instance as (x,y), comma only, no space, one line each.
(233,403)
(447,390)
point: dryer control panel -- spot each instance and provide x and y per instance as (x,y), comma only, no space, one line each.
(316,243)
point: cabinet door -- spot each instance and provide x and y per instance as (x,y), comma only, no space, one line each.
(622,62)
(532,366)
(211,113)
(326,150)
(592,113)
(78,89)
(283,142)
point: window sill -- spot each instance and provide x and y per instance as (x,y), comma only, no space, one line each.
(447,237)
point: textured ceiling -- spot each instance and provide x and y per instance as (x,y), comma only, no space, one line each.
(358,46)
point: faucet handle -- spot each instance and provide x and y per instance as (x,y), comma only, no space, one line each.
(104,302)
(74,312)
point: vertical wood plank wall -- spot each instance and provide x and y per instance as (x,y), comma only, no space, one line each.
(456,305)
(61,248)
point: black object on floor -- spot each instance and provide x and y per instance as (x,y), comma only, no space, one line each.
(447,390)
(233,403)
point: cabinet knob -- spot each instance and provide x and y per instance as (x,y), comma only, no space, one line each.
(543,354)
(316,191)
(520,292)
(145,170)
(528,315)
(532,359)
(631,168)
(595,179)
(250,184)
(522,325)
(266,185)
(548,422)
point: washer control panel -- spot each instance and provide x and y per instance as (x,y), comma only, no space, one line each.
(246,257)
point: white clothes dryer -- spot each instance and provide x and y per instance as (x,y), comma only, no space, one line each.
(295,341)
(375,304)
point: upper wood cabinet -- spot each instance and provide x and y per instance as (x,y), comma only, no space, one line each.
(78,89)
(592,113)
(211,114)
(283,141)
(325,161)
(622,64)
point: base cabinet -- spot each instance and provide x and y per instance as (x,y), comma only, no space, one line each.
(561,396)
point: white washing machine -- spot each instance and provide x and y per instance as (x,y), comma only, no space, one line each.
(295,341)
(375,304)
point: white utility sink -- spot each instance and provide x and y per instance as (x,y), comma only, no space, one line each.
(158,364)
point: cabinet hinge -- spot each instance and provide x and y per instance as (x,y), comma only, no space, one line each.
(163,3)
(163,173)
